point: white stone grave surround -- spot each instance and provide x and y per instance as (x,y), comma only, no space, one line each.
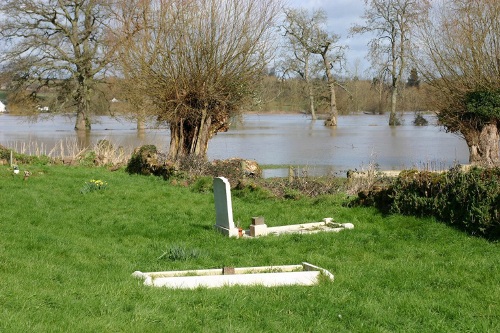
(224,207)
(267,276)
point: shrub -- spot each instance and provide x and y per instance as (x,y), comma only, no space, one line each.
(304,185)
(87,159)
(468,200)
(420,120)
(23,158)
(146,160)
(234,169)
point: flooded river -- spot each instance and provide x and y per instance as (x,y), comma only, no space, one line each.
(359,140)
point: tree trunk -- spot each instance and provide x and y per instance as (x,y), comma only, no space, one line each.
(141,123)
(82,121)
(332,117)
(393,119)
(311,101)
(83,105)
(199,144)
(190,137)
(483,145)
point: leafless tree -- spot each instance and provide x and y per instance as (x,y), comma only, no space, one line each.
(309,35)
(63,44)
(392,22)
(459,56)
(298,58)
(197,62)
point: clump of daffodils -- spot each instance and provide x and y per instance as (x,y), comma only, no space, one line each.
(98,183)
(94,185)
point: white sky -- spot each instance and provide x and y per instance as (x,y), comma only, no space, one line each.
(342,14)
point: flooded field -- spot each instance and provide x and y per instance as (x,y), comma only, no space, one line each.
(358,141)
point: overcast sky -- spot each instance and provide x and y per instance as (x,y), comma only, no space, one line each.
(342,14)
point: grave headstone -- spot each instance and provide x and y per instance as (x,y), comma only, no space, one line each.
(224,208)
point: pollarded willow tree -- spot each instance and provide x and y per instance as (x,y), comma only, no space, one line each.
(64,46)
(460,58)
(392,22)
(198,62)
(308,37)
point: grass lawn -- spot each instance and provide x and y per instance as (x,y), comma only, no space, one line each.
(66,260)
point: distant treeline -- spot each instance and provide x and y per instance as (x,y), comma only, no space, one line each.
(353,95)
(283,95)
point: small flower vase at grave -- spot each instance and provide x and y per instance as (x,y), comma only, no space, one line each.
(16,170)
(240,232)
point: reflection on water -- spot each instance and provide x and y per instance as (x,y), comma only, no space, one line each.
(54,132)
(358,141)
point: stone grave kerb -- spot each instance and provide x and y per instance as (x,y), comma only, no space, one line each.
(224,207)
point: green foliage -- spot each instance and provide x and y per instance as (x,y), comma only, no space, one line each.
(138,162)
(203,185)
(293,194)
(88,158)
(146,160)
(4,152)
(468,200)
(484,104)
(251,191)
(24,159)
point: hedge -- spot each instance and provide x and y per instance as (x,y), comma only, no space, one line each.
(468,200)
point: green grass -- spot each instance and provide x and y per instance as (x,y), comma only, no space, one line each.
(66,260)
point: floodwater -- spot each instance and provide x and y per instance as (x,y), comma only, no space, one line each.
(357,142)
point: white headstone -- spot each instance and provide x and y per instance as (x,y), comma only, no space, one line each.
(2,107)
(224,208)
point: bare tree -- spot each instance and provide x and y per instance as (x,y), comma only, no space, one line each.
(64,45)
(460,58)
(197,62)
(310,33)
(298,58)
(392,22)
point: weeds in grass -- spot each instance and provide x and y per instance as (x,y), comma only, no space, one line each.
(180,253)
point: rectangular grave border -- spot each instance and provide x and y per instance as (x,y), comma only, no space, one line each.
(304,274)
(224,218)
